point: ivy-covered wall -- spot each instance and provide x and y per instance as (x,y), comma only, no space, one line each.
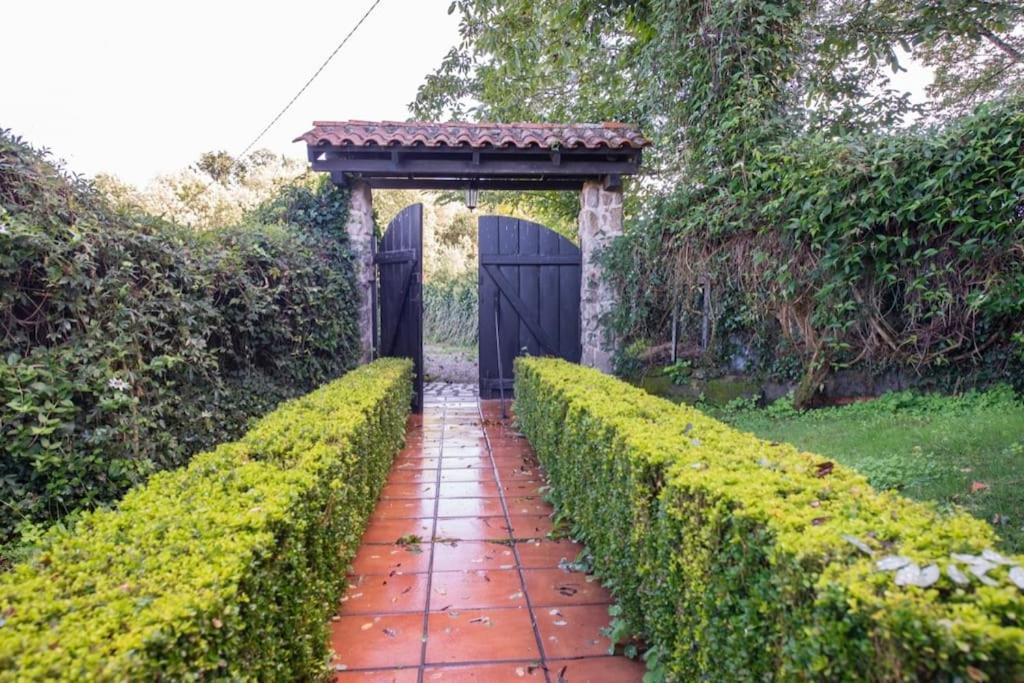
(898,252)
(128,343)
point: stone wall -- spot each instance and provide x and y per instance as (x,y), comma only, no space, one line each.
(360,234)
(600,223)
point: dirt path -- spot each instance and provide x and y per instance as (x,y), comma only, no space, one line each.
(453,364)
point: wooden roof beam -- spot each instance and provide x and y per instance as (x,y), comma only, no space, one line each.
(455,167)
(569,184)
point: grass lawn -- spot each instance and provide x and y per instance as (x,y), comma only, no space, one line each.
(965,451)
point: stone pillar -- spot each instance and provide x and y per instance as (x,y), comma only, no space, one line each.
(600,223)
(360,237)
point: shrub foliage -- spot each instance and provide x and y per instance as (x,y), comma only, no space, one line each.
(127,343)
(891,251)
(225,570)
(741,559)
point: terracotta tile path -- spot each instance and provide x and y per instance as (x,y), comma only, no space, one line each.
(456,580)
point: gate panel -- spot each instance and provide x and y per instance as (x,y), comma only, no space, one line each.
(569,281)
(548,283)
(488,303)
(508,341)
(529,286)
(399,261)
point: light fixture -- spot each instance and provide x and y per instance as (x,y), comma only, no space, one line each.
(472,195)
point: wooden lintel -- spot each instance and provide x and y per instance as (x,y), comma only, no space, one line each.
(483,156)
(419,167)
(393,183)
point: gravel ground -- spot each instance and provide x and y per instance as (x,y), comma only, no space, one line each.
(449,364)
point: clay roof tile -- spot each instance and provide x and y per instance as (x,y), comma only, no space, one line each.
(611,134)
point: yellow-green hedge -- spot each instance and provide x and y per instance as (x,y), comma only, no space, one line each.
(226,569)
(740,559)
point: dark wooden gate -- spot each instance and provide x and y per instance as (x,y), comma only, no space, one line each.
(399,261)
(529,298)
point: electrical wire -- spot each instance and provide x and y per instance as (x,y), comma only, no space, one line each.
(308,82)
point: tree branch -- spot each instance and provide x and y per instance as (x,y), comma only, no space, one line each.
(1008,49)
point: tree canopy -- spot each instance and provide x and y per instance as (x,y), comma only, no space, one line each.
(836,219)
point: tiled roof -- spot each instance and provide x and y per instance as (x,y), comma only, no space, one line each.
(475,135)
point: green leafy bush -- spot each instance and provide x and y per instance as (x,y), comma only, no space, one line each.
(127,343)
(225,570)
(679,372)
(742,559)
(450,309)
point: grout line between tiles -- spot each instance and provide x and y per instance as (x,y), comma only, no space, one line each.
(433,532)
(515,549)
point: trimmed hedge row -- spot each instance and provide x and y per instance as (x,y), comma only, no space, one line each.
(740,559)
(226,569)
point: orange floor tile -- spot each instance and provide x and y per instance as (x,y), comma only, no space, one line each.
(457,579)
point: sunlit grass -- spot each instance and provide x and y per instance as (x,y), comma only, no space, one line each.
(965,451)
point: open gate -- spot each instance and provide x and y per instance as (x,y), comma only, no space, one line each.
(399,259)
(529,285)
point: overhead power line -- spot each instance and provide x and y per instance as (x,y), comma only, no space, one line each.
(309,82)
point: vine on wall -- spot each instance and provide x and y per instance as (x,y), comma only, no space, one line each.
(890,250)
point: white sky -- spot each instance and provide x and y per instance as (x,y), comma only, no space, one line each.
(141,88)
